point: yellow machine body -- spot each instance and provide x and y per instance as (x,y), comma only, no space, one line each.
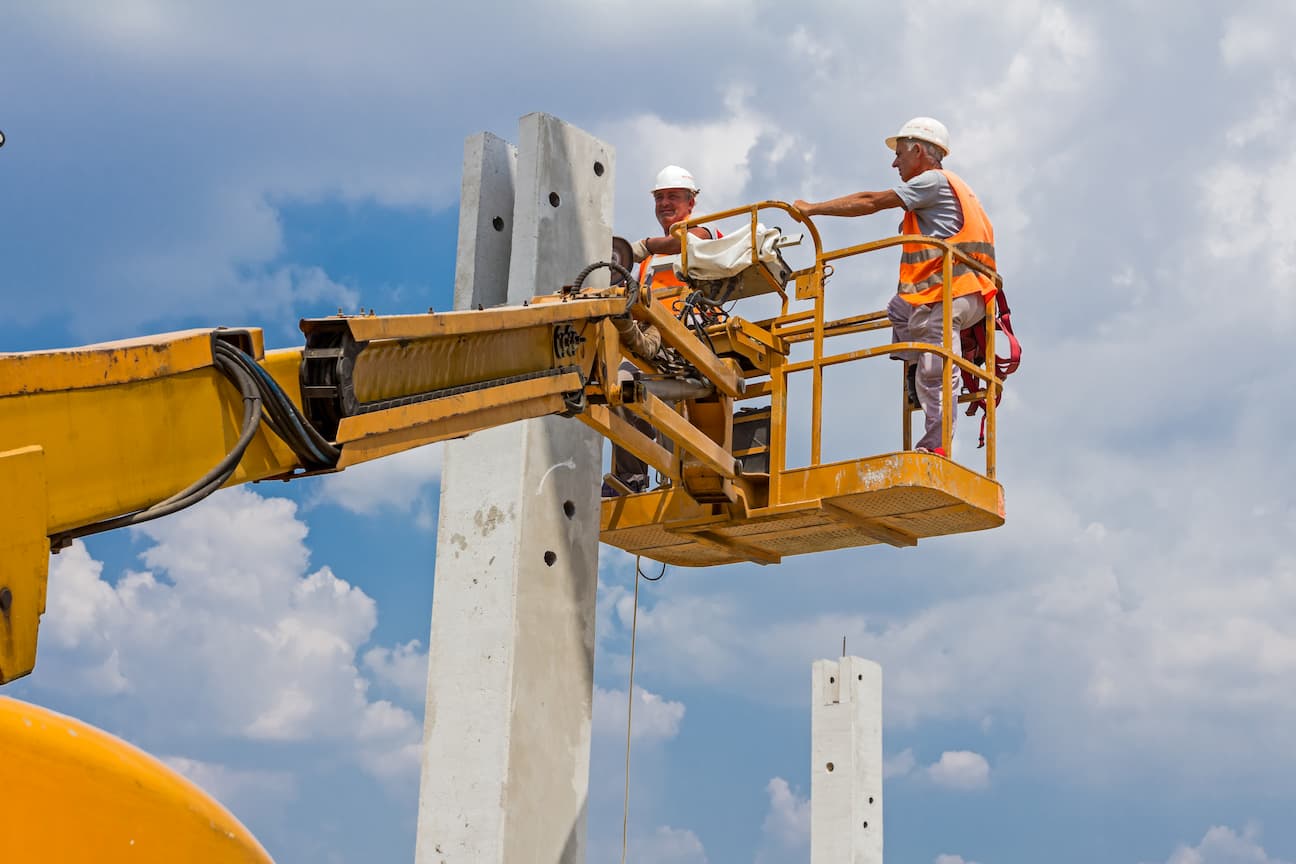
(70,792)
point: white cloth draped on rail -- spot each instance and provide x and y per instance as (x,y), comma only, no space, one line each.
(721,266)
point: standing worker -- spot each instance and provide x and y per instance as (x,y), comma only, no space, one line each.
(939,204)
(674,196)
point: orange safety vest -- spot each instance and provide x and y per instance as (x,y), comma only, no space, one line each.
(920,264)
(666,286)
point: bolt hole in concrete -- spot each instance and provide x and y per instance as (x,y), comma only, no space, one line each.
(830,767)
(861,677)
(865,824)
(832,680)
(497,223)
(554,200)
(870,801)
(569,509)
(598,169)
(550,558)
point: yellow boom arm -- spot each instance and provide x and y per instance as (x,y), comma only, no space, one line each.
(111,435)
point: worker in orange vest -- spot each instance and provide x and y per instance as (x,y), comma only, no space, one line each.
(674,196)
(937,203)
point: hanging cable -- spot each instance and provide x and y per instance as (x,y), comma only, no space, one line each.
(634,634)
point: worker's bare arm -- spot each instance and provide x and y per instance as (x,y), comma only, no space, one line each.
(856,204)
(671,245)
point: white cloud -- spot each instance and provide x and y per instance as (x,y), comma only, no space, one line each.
(240,790)
(1223,845)
(786,829)
(952,859)
(719,152)
(960,769)
(398,483)
(899,764)
(1253,36)
(654,718)
(669,846)
(403,668)
(227,634)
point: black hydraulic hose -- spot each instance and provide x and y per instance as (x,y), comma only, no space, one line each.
(691,314)
(632,285)
(263,399)
(282,415)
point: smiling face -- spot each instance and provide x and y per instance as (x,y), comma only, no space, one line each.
(673,205)
(911,159)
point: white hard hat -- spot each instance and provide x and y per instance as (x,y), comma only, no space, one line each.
(675,177)
(923,129)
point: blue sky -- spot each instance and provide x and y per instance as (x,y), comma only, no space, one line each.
(1109,677)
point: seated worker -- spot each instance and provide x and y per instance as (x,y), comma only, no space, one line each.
(674,196)
(939,204)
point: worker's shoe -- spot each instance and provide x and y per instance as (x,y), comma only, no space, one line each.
(938,451)
(911,385)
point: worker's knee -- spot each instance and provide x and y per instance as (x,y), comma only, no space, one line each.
(930,367)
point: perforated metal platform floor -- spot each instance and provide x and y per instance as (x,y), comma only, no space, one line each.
(896,498)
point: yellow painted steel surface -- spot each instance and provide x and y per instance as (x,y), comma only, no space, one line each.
(73,794)
(131,424)
(26,555)
(898,498)
(97,432)
(110,363)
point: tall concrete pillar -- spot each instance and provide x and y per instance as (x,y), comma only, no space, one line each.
(846,762)
(511,654)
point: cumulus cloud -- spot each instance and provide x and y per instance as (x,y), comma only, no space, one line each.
(654,719)
(899,764)
(240,790)
(960,769)
(785,832)
(1223,845)
(670,846)
(400,483)
(952,859)
(403,668)
(721,152)
(227,634)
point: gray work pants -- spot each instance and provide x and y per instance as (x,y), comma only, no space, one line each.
(629,468)
(910,323)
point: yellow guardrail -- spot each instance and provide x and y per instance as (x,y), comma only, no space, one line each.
(810,325)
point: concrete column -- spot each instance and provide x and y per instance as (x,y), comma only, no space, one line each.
(846,762)
(485,222)
(511,654)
